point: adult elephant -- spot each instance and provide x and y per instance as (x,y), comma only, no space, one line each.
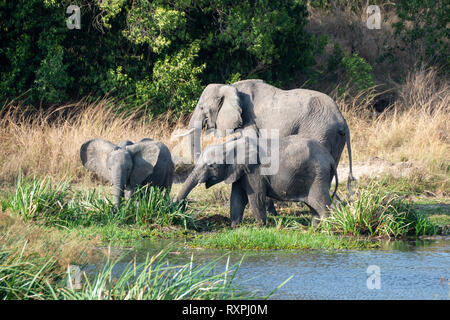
(311,114)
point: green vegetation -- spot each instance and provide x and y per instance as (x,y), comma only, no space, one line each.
(46,226)
(423,27)
(135,59)
(56,204)
(149,213)
(274,238)
(375,211)
(159,54)
(351,71)
(372,214)
(378,212)
(152,53)
(155,279)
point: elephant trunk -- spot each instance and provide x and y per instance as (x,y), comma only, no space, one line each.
(188,185)
(196,125)
(118,181)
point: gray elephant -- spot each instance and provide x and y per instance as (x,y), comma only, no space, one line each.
(304,174)
(129,165)
(308,113)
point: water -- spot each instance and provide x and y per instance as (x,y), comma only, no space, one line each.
(408,270)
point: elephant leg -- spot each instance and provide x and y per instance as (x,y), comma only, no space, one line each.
(128,193)
(315,214)
(238,201)
(271,207)
(257,201)
(319,202)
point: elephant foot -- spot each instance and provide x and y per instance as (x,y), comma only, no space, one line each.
(271,208)
(234,224)
(315,222)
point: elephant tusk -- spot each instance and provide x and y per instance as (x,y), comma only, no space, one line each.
(183,134)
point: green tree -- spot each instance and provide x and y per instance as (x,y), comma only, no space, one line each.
(153,53)
(424,28)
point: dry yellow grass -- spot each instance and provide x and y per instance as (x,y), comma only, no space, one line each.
(47,143)
(416,128)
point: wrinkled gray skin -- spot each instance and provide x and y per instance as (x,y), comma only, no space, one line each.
(308,113)
(305,172)
(129,164)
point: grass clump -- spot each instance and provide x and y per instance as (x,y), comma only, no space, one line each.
(36,198)
(376,211)
(273,238)
(56,204)
(155,279)
(151,205)
(21,278)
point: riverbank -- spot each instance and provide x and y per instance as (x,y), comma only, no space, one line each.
(382,208)
(48,225)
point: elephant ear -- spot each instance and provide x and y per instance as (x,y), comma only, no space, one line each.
(94,154)
(145,156)
(244,159)
(233,173)
(230,114)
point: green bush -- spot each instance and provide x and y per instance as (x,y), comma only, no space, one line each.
(424,28)
(56,204)
(376,211)
(350,70)
(35,199)
(156,54)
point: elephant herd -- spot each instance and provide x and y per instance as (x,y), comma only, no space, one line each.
(310,135)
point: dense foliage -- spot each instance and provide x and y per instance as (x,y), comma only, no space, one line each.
(424,27)
(156,53)
(159,54)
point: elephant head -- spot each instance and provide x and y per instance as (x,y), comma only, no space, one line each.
(224,162)
(218,108)
(125,143)
(125,167)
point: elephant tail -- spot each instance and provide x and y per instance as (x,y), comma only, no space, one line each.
(351,178)
(335,175)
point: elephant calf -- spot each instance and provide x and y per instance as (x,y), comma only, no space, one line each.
(304,174)
(129,164)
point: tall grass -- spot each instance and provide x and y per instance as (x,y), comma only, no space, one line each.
(154,279)
(47,142)
(57,204)
(21,278)
(274,238)
(375,211)
(36,198)
(414,128)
